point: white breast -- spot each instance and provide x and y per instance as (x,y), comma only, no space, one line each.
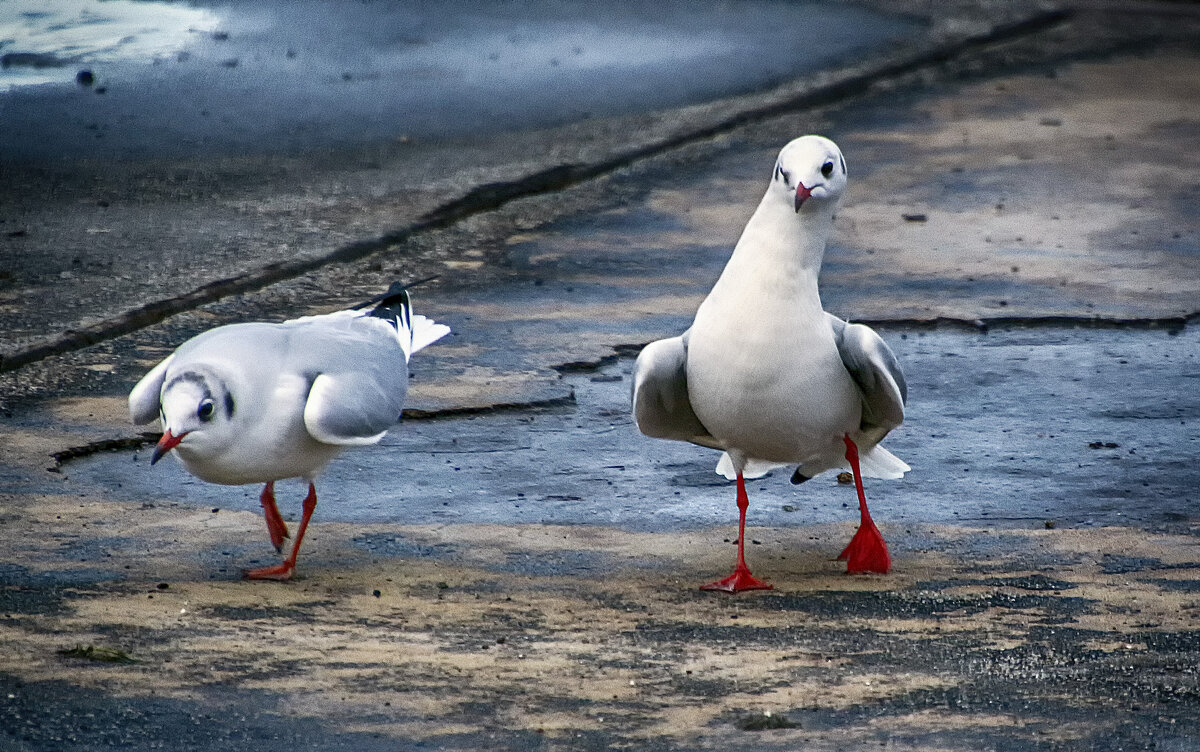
(776,390)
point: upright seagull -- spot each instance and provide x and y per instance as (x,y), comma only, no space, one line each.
(260,402)
(765,374)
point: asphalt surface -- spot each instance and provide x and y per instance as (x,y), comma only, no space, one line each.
(514,567)
(981,456)
(214,79)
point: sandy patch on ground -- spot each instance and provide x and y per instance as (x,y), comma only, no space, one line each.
(427,647)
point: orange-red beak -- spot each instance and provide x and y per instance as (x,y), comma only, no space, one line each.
(168,442)
(802,195)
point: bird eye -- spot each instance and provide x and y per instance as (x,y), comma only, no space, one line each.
(783,175)
(827,169)
(205,411)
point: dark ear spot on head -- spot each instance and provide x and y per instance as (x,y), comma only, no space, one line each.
(228,405)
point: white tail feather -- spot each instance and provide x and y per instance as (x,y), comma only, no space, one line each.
(875,463)
(880,463)
(753,469)
(422,332)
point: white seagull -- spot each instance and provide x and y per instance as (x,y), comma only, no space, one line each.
(260,402)
(765,374)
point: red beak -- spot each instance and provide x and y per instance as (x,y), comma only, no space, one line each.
(168,442)
(802,195)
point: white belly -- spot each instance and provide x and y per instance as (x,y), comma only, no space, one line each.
(780,395)
(299,459)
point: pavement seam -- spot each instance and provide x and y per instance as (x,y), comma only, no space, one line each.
(1172,325)
(145,438)
(492,196)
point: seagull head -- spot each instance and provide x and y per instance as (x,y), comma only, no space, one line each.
(196,410)
(810,172)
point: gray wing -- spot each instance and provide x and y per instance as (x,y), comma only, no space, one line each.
(144,398)
(661,407)
(360,384)
(874,367)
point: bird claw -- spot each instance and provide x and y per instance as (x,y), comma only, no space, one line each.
(867,551)
(277,540)
(740,580)
(279,572)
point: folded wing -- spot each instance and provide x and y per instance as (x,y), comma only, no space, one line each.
(661,406)
(352,408)
(144,399)
(876,371)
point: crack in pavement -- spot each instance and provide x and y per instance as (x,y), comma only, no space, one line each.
(409,413)
(492,196)
(1173,325)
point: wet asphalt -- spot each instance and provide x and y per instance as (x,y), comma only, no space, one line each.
(1116,448)
(125,80)
(1044,596)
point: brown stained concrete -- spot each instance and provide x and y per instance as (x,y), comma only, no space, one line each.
(984,637)
(522,635)
(1067,194)
(1063,196)
(950,651)
(115,234)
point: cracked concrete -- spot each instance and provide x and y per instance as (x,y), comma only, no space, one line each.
(227,214)
(472,583)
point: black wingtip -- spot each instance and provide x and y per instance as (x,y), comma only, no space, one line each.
(394,307)
(394,292)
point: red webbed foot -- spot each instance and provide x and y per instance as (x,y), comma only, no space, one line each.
(740,580)
(867,551)
(278,572)
(284,570)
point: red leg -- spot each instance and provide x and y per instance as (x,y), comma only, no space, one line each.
(741,579)
(275,524)
(867,552)
(284,571)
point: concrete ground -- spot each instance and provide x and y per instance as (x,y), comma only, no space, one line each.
(514,567)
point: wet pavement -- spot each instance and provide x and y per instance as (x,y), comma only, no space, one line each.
(514,567)
(1119,432)
(125,242)
(214,80)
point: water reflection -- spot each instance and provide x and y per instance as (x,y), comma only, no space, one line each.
(47,41)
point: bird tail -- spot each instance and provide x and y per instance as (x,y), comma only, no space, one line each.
(880,463)
(876,462)
(414,331)
(753,469)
